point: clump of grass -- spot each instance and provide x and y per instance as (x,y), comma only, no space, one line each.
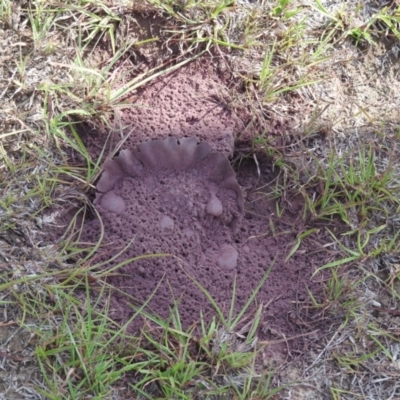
(76,354)
(358,190)
(342,23)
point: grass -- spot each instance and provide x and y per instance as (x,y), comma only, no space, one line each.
(277,59)
(362,193)
(82,352)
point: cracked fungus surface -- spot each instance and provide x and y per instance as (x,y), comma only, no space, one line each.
(179,198)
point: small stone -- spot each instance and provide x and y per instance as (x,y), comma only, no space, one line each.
(112,202)
(214,206)
(228,257)
(166,222)
(246,249)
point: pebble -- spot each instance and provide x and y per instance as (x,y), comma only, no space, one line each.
(112,202)
(228,256)
(214,206)
(166,222)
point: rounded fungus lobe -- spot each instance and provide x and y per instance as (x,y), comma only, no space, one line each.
(227,257)
(112,202)
(111,174)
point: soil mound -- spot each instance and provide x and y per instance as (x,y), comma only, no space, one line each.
(177,197)
(153,200)
(171,197)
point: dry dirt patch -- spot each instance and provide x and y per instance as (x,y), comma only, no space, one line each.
(186,104)
(17,368)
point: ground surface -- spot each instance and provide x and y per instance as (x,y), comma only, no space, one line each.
(312,134)
(182,105)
